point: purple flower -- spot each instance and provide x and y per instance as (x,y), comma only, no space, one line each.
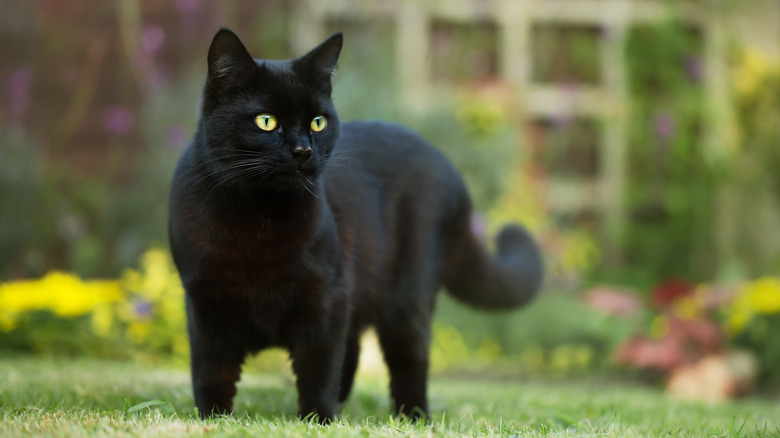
(177,137)
(187,5)
(664,125)
(143,308)
(693,68)
(18,91)
(152,38)
(117,120)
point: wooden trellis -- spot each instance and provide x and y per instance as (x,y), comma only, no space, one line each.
(515,19)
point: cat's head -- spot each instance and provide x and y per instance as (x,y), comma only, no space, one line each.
(268,124)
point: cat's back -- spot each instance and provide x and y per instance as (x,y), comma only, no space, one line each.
(391,153)
(383,174)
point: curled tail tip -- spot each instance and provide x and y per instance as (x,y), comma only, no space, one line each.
(513,237)
(518,247)
(510,279)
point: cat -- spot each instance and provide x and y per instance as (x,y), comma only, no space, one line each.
(291,229)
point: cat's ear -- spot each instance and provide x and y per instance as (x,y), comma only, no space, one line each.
(230,64)
(321,61)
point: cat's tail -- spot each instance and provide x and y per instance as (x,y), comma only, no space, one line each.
(510,279)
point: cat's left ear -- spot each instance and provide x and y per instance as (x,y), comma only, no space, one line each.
(322,60)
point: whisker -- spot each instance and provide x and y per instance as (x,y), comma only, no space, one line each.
(309,190)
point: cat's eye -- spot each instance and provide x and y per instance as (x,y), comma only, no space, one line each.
(266,122)
(319,123)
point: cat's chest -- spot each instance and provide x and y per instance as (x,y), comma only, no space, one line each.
(247,231)
(259,274)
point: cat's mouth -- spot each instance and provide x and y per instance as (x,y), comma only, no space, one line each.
(308,168)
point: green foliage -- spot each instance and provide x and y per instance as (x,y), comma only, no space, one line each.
(757,95)
(25,222)
(556,334)
(756,160)
(671,187)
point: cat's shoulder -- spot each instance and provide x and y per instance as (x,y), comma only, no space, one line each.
(382,132)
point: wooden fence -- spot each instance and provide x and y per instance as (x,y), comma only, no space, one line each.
(607,101)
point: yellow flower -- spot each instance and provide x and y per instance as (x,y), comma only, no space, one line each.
(736,322)
(61,293)
(751,72)
(102,319)
(156,278)
(688,307)
(520,203)
(764,295)
(481,116)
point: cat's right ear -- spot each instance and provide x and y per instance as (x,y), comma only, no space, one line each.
(230,64)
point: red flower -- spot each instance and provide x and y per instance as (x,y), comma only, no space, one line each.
(669,290)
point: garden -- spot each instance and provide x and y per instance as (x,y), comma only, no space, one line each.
(667,330)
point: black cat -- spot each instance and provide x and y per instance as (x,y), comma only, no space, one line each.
(290,229)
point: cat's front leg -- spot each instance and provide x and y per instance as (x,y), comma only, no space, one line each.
(317,360)
(216,367)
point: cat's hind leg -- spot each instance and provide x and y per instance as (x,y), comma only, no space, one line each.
(350,366)
(405,341)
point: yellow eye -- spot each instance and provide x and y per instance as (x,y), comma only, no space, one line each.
(319,123)
(266,122)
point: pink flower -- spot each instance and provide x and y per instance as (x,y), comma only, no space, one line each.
(152,38)
(693,68)
(18,91)
(664,125)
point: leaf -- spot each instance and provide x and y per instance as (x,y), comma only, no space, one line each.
(145,404)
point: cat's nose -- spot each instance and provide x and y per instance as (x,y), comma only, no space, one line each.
(302,153)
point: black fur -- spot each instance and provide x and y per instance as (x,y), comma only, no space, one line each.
(277,247)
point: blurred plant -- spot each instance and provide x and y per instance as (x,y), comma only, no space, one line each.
(450,352)
(756,80)
(53,314)
(153,312)
(709,335)
(26,228)
(686,328)
(141,314)
(671,188)
(537,340)
(755,164)
(667,293)
(752,321)
(477,136)
(62,294)
(683,331)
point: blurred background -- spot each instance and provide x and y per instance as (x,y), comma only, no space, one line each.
(638,139)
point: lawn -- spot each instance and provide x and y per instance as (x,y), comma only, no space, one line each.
(60,397)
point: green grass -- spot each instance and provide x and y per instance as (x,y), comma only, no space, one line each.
(54,397)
